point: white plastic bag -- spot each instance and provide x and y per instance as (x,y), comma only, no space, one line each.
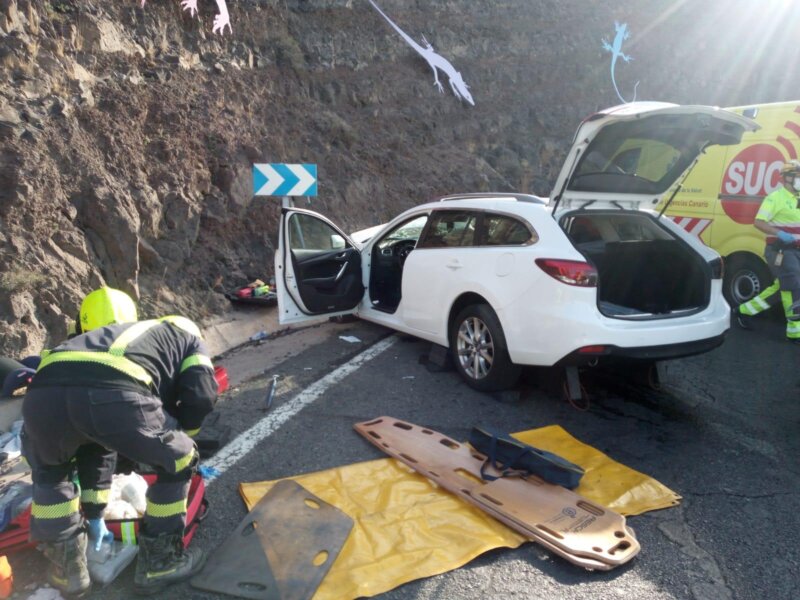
(118,510)
(134,491)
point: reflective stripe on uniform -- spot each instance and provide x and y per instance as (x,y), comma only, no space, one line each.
(192,432)
(95,496)
(183,323)
(55,511)
(792,327)
(759,303)
(128,532)
(196,360)
(120,363)
(126,337)
(153,574)
(166,510)
(184,461)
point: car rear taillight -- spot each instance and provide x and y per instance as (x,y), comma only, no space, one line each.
(571,272)
(717,268)
(592,350)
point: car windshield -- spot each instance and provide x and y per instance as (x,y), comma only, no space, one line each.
(410,230)
(644,156)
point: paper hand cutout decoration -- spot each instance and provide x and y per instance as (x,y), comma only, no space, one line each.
(220,21)
(435,61)
(622,34)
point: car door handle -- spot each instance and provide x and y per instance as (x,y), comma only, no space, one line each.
(454,265)
(341,272)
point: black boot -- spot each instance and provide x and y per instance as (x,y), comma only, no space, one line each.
(163,561)
(68,571)
(742,320)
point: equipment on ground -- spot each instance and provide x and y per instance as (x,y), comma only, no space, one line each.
(281,550)
(582,532)
(511,457)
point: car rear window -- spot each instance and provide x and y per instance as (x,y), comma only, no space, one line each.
(450,228)
(502,230)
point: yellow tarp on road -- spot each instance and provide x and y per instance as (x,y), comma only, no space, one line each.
(406,528)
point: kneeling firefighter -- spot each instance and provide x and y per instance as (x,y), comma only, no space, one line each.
(106,391)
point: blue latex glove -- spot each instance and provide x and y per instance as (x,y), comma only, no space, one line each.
(208,473)
(98,533)
(785,237)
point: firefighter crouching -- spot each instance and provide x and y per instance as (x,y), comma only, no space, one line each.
(779,218)
(106,391)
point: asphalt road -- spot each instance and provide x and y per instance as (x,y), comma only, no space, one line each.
(722,433)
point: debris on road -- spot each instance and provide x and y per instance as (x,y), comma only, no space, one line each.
(271,393)
(351,339)
(257,337)
(46,593)
(213,435)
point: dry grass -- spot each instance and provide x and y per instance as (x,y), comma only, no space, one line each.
(20,279)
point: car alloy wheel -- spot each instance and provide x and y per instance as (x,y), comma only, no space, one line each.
(475,348)
(479,350)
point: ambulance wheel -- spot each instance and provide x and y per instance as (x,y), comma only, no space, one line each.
(745,278)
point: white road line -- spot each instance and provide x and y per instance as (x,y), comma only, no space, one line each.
(247,440)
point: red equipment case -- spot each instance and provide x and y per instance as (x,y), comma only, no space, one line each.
(15,537)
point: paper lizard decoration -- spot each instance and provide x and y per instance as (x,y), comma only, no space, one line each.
(435,61)
(221,20)
(623,33)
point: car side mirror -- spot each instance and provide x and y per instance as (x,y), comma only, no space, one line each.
(337,242)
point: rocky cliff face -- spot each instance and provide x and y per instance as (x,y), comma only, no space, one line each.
(127,135)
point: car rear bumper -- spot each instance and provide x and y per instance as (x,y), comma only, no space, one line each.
(546,334)
(611,354)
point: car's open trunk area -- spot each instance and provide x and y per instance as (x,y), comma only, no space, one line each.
(643,270)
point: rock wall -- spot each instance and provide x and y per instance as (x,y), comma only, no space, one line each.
(127,135)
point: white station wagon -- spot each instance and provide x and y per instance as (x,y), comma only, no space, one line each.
(506,280)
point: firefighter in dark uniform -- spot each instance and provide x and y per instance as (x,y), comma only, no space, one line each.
(106,391)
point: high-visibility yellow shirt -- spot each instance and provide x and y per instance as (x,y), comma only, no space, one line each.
(780,209)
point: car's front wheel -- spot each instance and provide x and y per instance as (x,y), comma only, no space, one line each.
(479,350)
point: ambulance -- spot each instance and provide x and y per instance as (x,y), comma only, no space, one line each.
(719,199)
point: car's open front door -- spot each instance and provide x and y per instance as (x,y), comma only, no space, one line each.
(317,268)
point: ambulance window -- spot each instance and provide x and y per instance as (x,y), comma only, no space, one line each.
(628,160)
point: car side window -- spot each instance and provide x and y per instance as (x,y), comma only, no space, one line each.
(502,230)
(310,233)
(449,229)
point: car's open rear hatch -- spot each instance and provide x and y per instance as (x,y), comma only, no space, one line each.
(644,272)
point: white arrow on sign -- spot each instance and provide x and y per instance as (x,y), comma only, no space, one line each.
(274,180)
(306,180)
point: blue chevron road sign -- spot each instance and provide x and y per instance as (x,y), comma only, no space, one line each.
(278,179)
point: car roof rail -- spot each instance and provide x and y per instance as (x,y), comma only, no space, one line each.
(494,196)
